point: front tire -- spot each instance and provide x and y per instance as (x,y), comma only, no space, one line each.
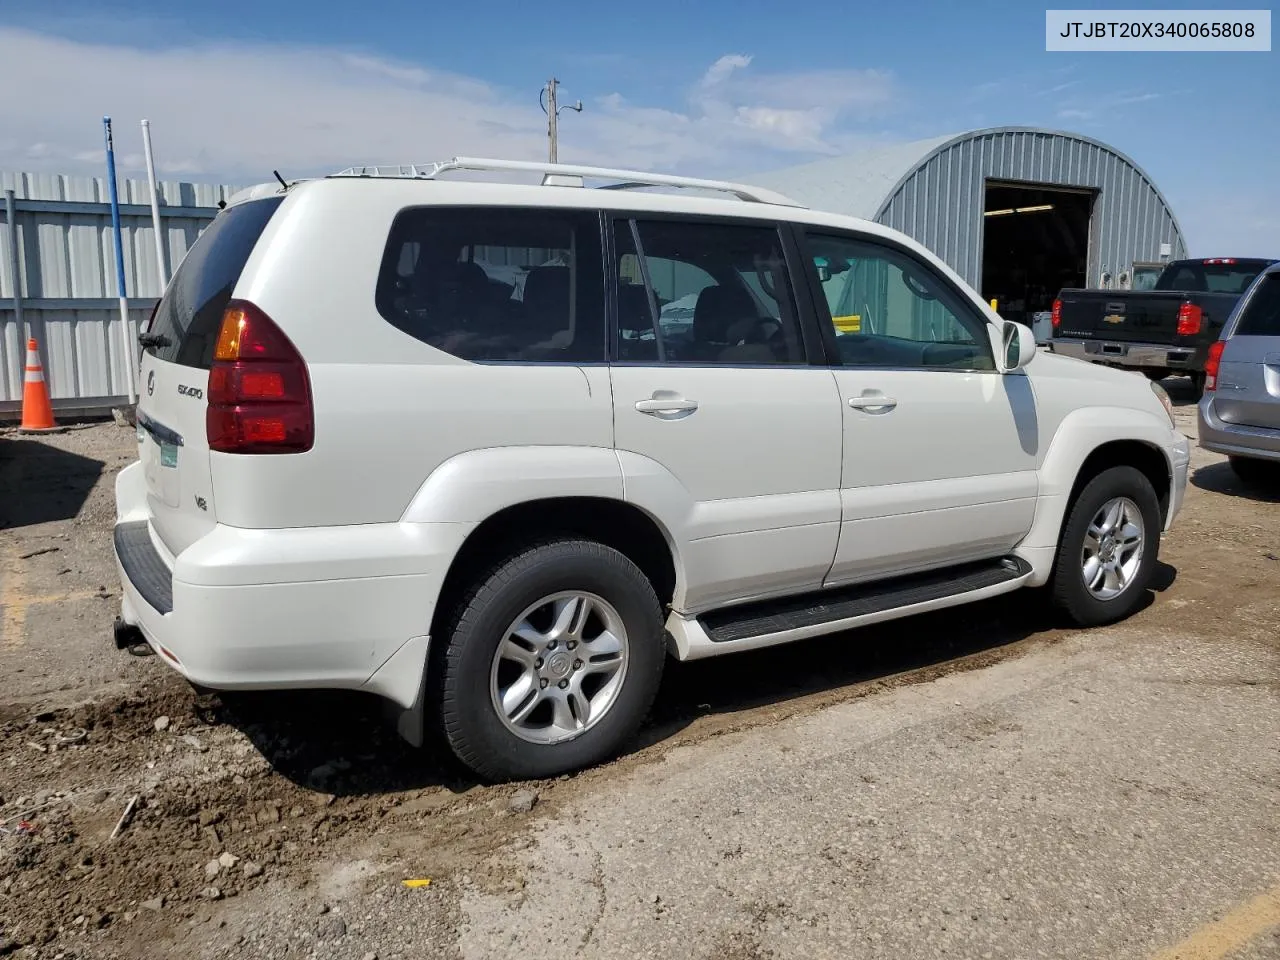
(551,663)
(1108,550)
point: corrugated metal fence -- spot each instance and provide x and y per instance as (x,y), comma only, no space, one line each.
(67,280)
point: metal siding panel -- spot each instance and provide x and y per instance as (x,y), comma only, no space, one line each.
(928,184)
(928,224)
(84,256)
(67,260)
(6,260)
(54,274)
(974,183)
(949,202)
(1128,223)
(82,347)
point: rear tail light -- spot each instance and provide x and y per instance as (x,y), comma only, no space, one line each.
(1057,314)
(1212,363)
(1189,317)
(259,391)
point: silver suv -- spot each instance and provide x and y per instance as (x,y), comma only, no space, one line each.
(1240,412)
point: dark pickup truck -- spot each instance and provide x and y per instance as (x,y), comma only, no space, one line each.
(1165,330)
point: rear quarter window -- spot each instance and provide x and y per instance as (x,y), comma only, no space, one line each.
(190,314)
(494,284)
(1261,315)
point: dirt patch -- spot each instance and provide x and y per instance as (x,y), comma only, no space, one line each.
(220,778)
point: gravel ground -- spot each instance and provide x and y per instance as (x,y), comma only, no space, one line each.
(978,783)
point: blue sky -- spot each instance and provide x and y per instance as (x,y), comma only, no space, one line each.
(235,88)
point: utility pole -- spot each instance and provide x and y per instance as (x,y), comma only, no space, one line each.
(553,133)
(553,114)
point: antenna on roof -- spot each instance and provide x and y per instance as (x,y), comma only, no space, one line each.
(281,179)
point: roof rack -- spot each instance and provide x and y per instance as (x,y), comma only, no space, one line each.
(568,174)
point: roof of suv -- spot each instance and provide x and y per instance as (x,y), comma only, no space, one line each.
(564,185)
(553,174)
(398,188)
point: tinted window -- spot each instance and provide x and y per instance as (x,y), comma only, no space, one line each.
(889,310)
(719,293)
(1210,277)
(496,284)
(190,314)
(1261,317)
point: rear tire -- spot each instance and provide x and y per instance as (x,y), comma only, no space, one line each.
(551,662)
(1256,473)
(1107,553)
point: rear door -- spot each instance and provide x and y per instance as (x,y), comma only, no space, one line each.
(178,352)
(723,427)
(1248,390)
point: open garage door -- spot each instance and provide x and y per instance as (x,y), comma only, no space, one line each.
(1035,242)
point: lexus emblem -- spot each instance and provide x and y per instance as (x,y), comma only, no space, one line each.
(151,383)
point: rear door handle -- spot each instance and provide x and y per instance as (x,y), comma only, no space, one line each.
(874,402)
(667,404)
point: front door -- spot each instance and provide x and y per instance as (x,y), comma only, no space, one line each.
(940,449)
(722,426)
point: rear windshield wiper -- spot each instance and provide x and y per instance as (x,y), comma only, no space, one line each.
(154,340)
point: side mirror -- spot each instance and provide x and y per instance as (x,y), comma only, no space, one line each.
(1014,345)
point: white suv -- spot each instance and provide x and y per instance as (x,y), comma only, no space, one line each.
(493,451)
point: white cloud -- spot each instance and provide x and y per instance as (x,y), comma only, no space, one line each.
(236,111)
(1136,98)
(1058,88)
(722,68)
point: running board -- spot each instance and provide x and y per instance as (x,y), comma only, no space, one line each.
(770,622)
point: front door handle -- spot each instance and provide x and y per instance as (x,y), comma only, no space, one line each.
(667,404)
(873,403)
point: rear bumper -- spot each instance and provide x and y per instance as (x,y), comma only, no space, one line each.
(1137,355)
(346,607)
(1234,439)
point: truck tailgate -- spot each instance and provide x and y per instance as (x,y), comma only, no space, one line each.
(1121,316)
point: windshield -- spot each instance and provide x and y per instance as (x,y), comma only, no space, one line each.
(1202,277)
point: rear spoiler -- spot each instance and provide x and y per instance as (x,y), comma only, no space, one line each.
(257,192)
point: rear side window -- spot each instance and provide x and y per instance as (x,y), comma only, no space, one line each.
(494,284)
(1261,317)
(190,314)
(721,292)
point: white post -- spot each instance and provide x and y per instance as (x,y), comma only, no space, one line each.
(155,205)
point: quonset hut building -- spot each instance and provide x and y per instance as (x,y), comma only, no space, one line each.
(1018,212)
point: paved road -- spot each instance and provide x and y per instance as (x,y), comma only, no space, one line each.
(1103,797)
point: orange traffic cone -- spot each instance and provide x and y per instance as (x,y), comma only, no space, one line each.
(37,411)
